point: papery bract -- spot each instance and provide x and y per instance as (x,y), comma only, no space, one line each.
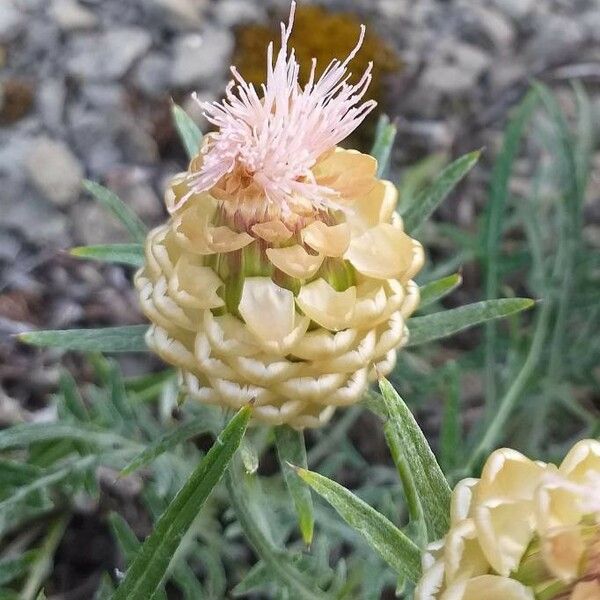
(283,275)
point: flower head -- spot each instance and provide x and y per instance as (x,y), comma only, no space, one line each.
(266,145)
(283,275)
(525,530)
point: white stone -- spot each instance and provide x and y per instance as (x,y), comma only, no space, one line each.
(11,21)
(556,37)
(91,225)
(516,9)
(108,55)
(69,15)
(54,171)
(51,102)
(152,74)
(200,58)
(495,25)
(235,12)
(591,23)
(456,67)
(184,15)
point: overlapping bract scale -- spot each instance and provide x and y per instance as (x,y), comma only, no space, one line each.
(524,530)
(296,312)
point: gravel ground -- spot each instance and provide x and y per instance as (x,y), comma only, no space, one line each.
(85,89)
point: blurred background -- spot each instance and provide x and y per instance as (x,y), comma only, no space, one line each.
(85,92)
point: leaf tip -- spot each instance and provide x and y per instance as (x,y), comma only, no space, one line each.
(88,184)
(308,531)
(25,337)
(530,302)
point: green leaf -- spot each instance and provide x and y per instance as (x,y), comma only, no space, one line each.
(429,199)
(450,431)
(257,577)
(429,481)
(25,434)
(14,473)
(255,517)
(127,540)
(42,566)
(105,588)
(136,228)
(417,528)
(169,440)
(442,324)
(149,568)
(13,568)
(381,534)
(291,450)
(493,220)
(385,135)
(436,290)
(127,338)
(49,478)
(124,254)
(189,132)
(72,399)
(130,545)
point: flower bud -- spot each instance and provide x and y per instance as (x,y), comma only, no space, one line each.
(524,530)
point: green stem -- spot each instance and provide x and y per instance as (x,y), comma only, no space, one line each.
(499,194)
(415,510)
(555,363)
(43,565)
(334,437)
(507,404)
(264,547)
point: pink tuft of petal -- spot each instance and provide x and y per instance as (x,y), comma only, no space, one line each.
(276,137)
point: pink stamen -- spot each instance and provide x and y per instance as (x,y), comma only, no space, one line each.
(278,138)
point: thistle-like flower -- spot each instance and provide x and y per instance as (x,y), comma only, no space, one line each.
(526,530)
(283,275)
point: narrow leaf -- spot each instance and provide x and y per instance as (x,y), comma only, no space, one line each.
(128,338)
(25,434)
(436,290)
(380,533)
(50,478)
(383,144)
(136,228)
(105,588)
(254,516)
(15,473)
(257,577)
(42,566)
(291,450)
(427,201)
(442,324)
(450,431)
(124,254)
(493,220)
(149,568)
(429,481)
(189,132)
(126,538)
(13,568)
(416,515)
(166,442)
(72,399)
